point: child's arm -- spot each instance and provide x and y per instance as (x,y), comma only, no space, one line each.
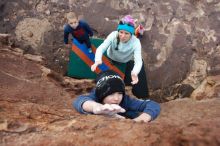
(100,109)
(66,34)
(87,104)
(149,109)
(143,117)
(87,28)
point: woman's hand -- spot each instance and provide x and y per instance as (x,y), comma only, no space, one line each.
(93,67)
(134,78)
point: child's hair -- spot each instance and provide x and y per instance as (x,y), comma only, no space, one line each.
(107,83)
(71,15)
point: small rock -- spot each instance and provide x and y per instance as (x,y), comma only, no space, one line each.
(211,82)
(6,19)
(47,12)
(4,39)
(107,19)
(18,50)
(29,34)
(3,124)
(33,57)
(45,71)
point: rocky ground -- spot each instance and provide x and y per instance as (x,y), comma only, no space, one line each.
(35,109)
(180,48)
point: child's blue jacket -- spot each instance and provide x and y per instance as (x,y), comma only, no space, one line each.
(132,106)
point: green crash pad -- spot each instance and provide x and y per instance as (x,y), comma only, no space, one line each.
(80,61)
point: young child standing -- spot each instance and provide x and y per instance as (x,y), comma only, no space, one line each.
(109,99)
(79,29)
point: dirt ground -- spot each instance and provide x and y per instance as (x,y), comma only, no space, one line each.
(36,110)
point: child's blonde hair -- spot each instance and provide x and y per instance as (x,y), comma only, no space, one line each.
(71,15)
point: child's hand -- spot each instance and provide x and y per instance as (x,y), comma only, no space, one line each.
(143,118)
(118,116)
(108,109)
(68,45)
(93,67)
(134,78)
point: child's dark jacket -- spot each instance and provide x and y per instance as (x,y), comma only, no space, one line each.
(132,106)
(81,33)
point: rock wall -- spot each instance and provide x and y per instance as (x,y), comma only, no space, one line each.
(180,44)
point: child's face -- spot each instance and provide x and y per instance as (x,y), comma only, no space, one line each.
(114,98)
(124,36)
(73,22)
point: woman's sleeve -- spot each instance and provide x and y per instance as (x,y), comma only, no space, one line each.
(137,58)
(104,46)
